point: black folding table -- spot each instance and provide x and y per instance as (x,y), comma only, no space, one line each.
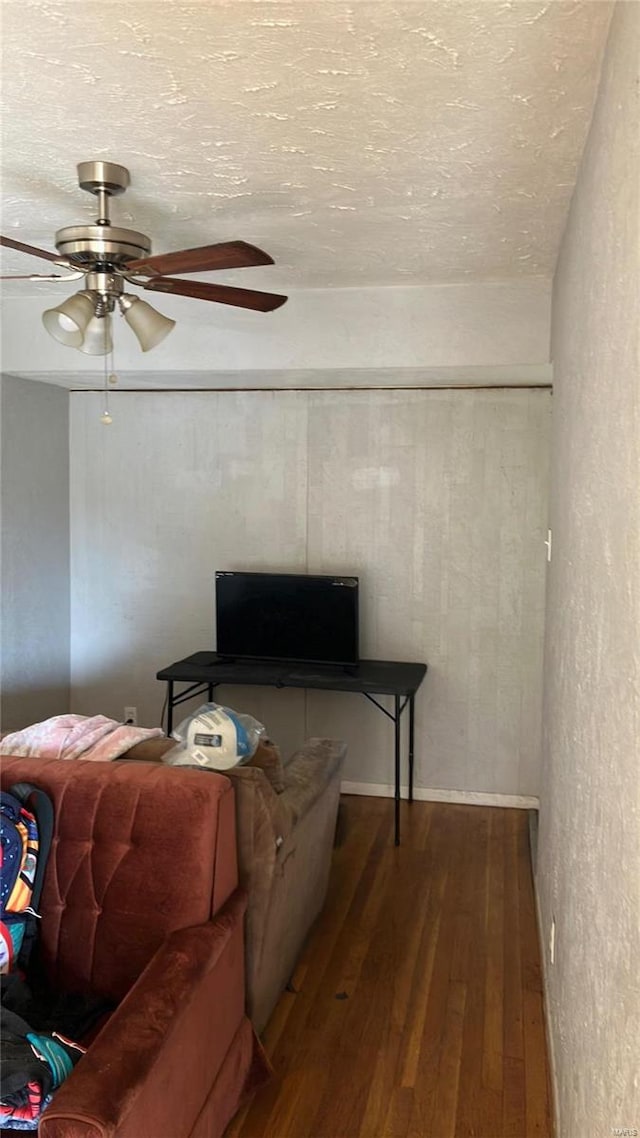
(205,671)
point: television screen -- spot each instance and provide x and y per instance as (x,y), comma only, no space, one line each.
(287,616)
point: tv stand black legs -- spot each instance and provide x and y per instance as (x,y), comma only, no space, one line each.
(412,711)
(398,707)
(189,693)
(398,712)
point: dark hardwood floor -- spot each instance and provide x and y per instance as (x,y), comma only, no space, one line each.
(417,1010)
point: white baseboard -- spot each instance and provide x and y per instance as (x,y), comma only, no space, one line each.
(424,794)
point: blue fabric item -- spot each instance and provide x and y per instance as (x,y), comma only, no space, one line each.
(16,927)
(23,1124)
(54,1054)
(11,846)
(26,832)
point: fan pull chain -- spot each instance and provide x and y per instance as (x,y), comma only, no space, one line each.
(112,377)
(108,355)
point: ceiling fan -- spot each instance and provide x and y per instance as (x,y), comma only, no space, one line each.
(107,256)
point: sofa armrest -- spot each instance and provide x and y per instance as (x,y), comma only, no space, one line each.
(307,773)
(152,1066)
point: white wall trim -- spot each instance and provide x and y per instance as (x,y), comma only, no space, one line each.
(313,379)
(425,794)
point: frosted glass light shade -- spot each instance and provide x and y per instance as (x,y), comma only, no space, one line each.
(68,321)
(149,326)
(97,338)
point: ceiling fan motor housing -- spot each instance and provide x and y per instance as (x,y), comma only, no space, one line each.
(101,245)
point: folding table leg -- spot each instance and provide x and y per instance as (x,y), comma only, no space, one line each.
(397,769)
(169,706)
(411,738)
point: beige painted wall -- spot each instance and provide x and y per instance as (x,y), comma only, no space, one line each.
(34,516)
(436,499)
(589,843)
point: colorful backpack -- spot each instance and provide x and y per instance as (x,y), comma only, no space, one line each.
(26,831)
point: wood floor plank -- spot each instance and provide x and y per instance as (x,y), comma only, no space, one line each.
(514,1113)
(398,1116)
(405,934)
(434,1039)
(422,992)
(470,1086)
(416,825)
(417,1006)
(443,1122)
(493,1041)
(436,870)
(513,1033)
(378,1005)
(366,1016)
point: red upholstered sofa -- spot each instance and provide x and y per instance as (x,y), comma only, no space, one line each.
(140,905)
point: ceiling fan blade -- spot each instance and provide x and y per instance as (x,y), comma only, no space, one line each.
(223,294)
(227,255)
(39,277)
(22,248)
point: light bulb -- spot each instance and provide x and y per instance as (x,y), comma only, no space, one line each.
(106,418)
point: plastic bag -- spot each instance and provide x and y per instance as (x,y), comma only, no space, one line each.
(216,737)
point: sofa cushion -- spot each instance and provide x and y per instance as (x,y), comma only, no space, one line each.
(267,758)
(150,750)
(307,773)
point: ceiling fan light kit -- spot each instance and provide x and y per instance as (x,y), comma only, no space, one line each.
(68,322)
(149,326)
(107,256)
(98,340)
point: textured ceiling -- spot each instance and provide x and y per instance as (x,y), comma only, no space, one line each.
(378,142)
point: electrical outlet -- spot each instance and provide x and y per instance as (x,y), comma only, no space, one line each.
(552,941)
(131,715)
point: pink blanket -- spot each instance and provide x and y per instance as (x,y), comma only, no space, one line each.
(76,737)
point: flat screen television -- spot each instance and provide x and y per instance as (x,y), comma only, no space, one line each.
(293,617)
